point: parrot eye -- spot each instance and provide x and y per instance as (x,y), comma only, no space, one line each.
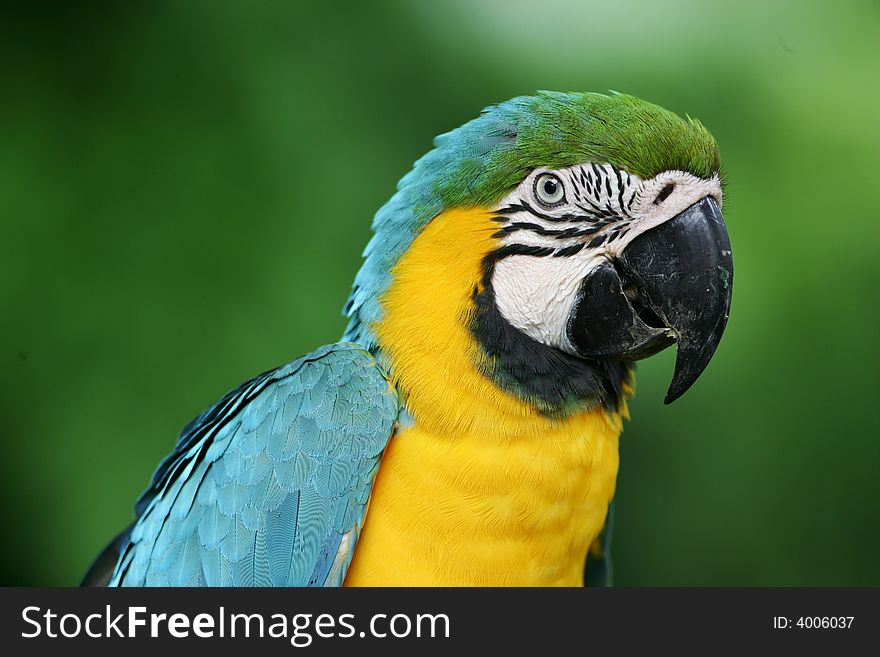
(549,190)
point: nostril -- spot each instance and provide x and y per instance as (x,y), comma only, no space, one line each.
(664,193)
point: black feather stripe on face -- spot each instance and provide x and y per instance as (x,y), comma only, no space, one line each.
(601,195)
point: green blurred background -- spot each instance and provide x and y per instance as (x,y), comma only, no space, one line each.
(185,189)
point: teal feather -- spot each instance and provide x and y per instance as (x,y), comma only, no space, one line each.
(281,539)
(213,527)
(239,540)
(263,485)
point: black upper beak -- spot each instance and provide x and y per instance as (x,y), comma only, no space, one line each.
(672,283)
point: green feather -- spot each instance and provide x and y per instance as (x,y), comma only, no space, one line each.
(557,130)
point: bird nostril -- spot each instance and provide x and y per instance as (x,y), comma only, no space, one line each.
(664,193)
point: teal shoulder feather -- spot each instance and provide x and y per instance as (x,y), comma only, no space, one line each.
(269,486)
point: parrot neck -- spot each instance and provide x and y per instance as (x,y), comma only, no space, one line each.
(438,320)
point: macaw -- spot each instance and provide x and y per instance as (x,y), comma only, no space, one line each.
(465,430)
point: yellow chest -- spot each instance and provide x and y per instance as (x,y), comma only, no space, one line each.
(483,489)
(464,511)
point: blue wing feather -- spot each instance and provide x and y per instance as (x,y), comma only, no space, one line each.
(269,486)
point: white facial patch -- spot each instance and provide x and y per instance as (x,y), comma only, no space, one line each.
(553,243)
(537,295)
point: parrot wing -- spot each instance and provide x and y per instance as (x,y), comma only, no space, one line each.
(598,570)
(268,487)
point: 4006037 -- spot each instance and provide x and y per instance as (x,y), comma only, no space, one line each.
(814,622)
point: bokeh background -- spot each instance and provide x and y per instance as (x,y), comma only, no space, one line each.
(185,189)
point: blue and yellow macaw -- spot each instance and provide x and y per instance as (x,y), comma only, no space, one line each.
(465,431)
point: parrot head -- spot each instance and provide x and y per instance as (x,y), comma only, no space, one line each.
(597,221)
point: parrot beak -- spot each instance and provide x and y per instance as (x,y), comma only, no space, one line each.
(672,283)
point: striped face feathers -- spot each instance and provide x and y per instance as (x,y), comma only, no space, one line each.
(565,231)
(557,226)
